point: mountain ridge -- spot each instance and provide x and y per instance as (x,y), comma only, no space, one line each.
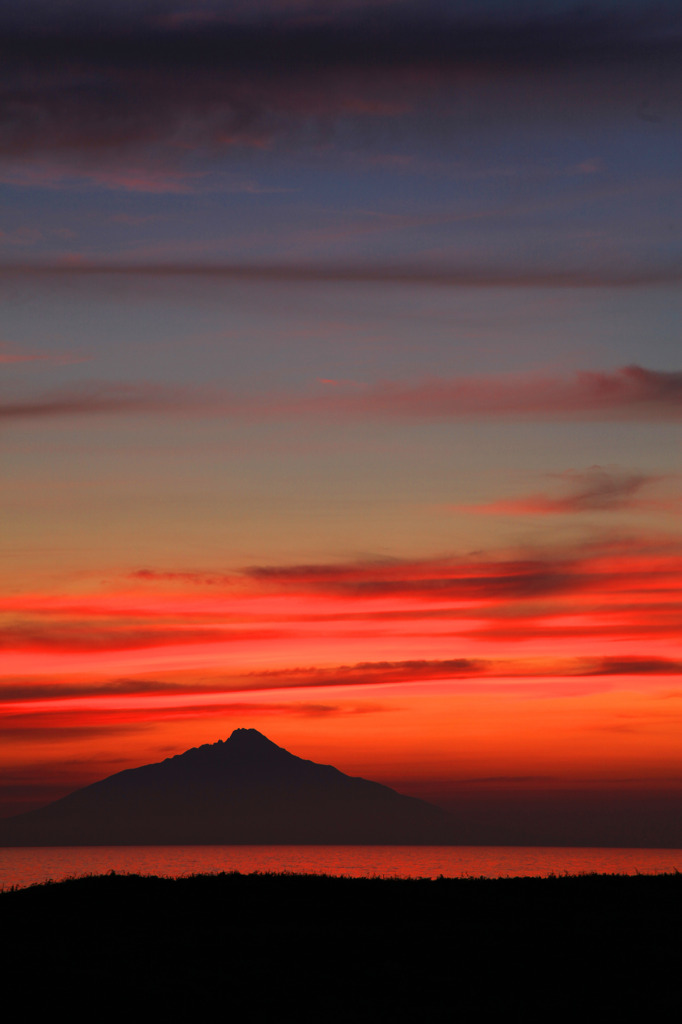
(242,790)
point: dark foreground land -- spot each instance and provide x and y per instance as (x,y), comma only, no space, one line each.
(285,947)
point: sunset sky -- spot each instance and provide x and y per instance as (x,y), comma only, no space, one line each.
(341,394)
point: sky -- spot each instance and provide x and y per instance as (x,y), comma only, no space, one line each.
(340,398)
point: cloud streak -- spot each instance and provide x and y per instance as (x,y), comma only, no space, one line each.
(629,393)
(457,607)
(433,275)
(597,490)
(444,580)
(29,698)
(75,637)
(11,357)
(102,398)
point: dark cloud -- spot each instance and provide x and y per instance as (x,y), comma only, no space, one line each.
(31,691)
(634,666)
(201,579)
(345,35)
(432,275)
(81,637)
(30,705)
(362,673)
(161,80)
(373,673)
(467,580)
(44,727)
(535,628)
(97,398)
(629,567)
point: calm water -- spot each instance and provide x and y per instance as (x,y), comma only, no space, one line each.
(27,865)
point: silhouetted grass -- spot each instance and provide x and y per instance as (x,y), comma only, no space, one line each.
(270,946)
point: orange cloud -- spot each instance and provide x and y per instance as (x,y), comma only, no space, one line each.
(432,618)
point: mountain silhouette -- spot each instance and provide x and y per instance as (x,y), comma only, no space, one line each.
(244,790)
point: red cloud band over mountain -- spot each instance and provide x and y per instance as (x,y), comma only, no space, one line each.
(627,590)
(564,665)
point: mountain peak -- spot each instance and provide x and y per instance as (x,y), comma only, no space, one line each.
(247,746)
(251,741)
(241,734)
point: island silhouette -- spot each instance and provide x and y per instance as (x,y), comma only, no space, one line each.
(243,790)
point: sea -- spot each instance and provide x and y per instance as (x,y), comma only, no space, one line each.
(24,866)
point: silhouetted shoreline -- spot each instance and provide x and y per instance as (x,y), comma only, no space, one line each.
(316,945)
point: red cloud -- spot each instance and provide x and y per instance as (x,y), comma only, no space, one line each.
(609,610)
(9,356)
(631,392)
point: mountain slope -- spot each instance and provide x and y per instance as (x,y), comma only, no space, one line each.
(243,790)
